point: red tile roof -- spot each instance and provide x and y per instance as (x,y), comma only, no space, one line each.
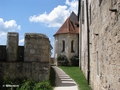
(69,26)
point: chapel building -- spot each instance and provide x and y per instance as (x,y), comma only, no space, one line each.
(67,38)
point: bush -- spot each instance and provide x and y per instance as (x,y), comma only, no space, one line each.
(7,80)
(32,85)
(27,85)
(17,80)
(75,61)
(43,86)
(62,60)
(12,81)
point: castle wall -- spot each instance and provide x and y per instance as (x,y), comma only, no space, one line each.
(31,61)
(20,53)
(104,27)
(12,46)
(31,70)
(83,40)
(2,53)
(37,47)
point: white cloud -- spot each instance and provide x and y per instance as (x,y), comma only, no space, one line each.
(73,5)
(7,26)
(49,38)
(21,42)
(57,16)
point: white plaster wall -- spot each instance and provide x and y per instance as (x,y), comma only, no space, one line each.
(58,45)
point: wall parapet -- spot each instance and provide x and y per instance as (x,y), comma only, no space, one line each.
(31,60)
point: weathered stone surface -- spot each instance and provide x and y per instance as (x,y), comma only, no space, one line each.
(104,31)
(32,70)
(37,47)
(2,53)
(12,46)
(30,61)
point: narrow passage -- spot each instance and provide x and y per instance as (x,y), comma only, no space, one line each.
(63,81)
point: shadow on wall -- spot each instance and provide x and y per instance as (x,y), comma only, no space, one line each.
(3,56)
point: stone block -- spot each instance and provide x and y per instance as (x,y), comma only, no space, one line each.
(12,46)
(40,47)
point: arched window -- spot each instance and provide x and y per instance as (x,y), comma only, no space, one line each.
(72,44)
(63,44)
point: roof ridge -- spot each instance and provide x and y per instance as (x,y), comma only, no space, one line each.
(69,25)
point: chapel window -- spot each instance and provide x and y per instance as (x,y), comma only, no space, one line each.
(72,44)
(63,45)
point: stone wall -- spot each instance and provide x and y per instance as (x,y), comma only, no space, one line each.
(104,27)
(31,61)
(31,70)
(52,61)
(37,47)
(12,46)
(83,40)
(2,53)
(20,54)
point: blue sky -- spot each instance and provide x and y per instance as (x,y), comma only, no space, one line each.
(34,16)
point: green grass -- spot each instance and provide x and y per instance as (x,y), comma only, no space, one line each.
(76,74)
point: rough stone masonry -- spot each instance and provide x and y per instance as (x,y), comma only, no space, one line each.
(103,29)
(37,47)
(35,65)
(12,46)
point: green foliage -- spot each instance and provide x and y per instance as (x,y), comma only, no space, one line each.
(32,85)
(19,80)
(7,80)
(11,81)
(75,61)
(62,60)
(43,86)
(27,85)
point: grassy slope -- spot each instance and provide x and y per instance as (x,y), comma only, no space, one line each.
(76,74)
